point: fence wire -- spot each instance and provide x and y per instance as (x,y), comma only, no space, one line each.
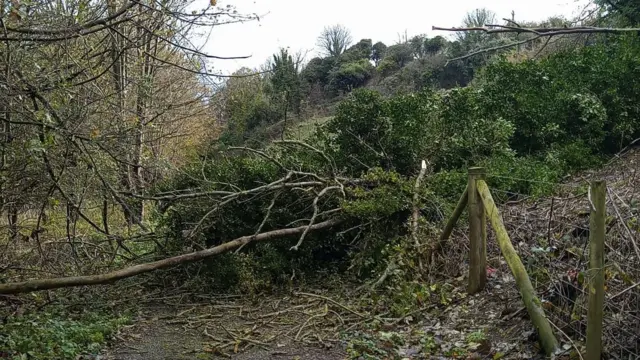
(551,234)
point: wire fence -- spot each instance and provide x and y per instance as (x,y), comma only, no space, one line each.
(551,235)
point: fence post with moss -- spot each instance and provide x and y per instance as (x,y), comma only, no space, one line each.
(597,197)
(477,234)
(481,206)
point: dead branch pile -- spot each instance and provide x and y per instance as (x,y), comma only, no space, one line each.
(553,235)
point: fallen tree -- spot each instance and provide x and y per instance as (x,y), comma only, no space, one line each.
(72,281)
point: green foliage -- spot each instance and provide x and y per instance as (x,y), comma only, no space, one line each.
(476,337)
(52,335)
(285,83)
(587,95)
(387,66)
(390,195)
(624,12)
(317,71)
(434,45)
(360,51)
(349,76)
(378,52)
(399,54)
(398,133)
(247,107)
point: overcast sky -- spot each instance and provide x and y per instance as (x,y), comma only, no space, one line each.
(297,23)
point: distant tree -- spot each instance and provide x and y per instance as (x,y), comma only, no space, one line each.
(417,45)
(626,12)
(476,18)
(378,51)
(334,40)
(317,71)
(401,54)
(434,45)
(285,81)
(285,84)
(351,75)
(361,50)
(245,105)
(396,56)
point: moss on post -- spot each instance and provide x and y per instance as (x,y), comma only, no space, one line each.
(531,301)
(477,234)
(596,269)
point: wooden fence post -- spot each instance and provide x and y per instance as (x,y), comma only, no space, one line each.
(451,223)
(597,199)
(528,293)
(477,234)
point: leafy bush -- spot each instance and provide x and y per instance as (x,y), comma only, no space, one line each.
(351,75)
(397,133)
(586,95)
(529,123)
(53,336)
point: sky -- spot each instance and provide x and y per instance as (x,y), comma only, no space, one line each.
(296,24)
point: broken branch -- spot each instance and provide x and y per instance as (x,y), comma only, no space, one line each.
(56,283)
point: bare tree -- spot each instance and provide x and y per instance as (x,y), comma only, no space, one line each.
(334,40)
(98,101)
(476,18)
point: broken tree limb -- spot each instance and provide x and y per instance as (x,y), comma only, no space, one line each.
(316,210)
(415,215)
(453,219)
(531,301)
(496,29)
(56,283)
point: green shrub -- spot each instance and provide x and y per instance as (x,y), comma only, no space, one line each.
(351,75)
(56,336)
(398,133)
(587,95)
(527,123)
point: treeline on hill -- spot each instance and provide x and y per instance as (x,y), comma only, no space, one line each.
(536,119)
(260,108)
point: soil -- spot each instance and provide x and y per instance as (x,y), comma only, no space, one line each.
(176,333)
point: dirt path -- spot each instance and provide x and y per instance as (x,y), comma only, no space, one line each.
(312,326)
(217,331)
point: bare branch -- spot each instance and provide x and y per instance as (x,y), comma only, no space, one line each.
(315,214)
(264,220)
(56,283)
(540,31)
(496,48)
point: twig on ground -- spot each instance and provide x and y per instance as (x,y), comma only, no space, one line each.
(297,337)
(297,293)
(568,338)
(624,224)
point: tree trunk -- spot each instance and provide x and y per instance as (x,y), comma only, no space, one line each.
(12,217)
(56,283)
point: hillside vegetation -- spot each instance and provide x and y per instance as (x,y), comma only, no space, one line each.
(303,174)
(564,113)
